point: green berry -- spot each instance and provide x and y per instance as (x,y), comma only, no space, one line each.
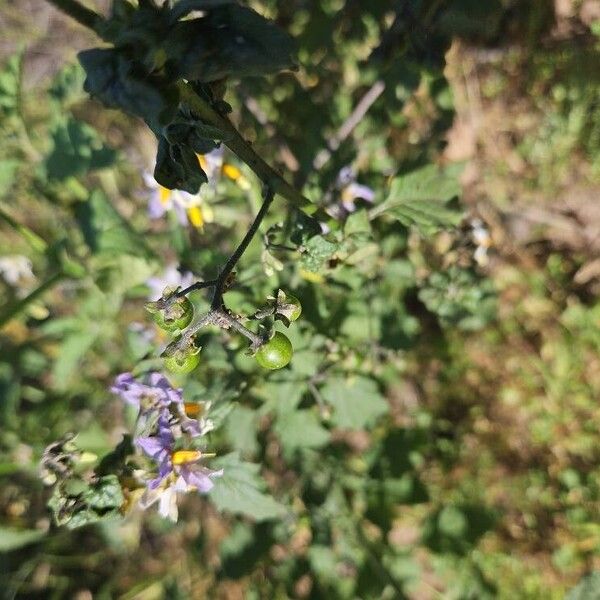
(275,353)
(175,317)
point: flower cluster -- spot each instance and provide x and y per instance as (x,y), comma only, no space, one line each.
(169,433)
(190,208)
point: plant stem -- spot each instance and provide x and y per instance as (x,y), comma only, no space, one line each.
(236,143)
(217,300)
(84,16)
(235,324)
(20,305)
(199,285)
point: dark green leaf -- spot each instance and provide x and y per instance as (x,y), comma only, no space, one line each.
(76,149)
(106,232)
(301,429)
(357,402)
(420,198)
(233,41)
(121,83)
(241,490)
(177,167)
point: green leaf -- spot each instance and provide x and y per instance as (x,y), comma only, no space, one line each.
(316,252)
(105,231)
(281,397)
(67,85)
(177,167)
(587,589)
(460,298)
(8,168)
(421,198)
(105,494)
(357,402)
(240,428)
(76,149)
(119,82)
(232,41)
(72,350)
(13,539)
(241,490)
(357,224)
(9,84)
(301,429)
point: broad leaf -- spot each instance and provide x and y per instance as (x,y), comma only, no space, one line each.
(421,198)
(241,490)
(316,252)
(105,231)
(76,149)
(121,83)
(357,402)
(232,41)
(301,429)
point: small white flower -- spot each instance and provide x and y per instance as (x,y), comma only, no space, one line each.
(166,496)
(350,190)
(483,240)
(189,208)
(214,166)
(16,270)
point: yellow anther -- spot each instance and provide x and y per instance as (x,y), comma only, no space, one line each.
(193,409)
(195,216)
(202,161)
(233,173)
(164,194)
(182,457)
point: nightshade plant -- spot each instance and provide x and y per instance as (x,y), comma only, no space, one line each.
(170,65)
(169,68)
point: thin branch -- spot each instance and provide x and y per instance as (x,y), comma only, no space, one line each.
(20,305)
(233,323)
(217,300)
(236,143)
(199,285)
(84,16)
(349,124)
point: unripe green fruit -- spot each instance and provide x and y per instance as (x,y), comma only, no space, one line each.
(177,316)
(289,299)
(275,353)
(182,363)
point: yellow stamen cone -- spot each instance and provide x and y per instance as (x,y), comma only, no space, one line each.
(203,162)
(164,195)
(193,409)
(181,457)
(195,216)
(233,173)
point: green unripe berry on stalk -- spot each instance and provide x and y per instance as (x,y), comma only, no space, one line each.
(275,353)
(171,313)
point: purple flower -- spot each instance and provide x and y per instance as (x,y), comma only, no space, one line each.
(156,394)
(178,470)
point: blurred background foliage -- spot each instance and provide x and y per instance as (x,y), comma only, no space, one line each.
(437,433)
